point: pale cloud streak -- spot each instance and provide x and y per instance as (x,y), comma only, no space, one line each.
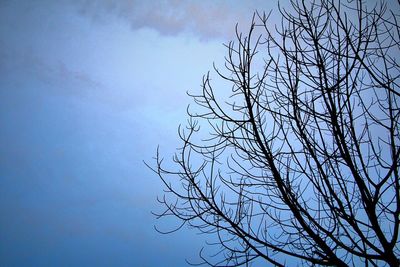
(204,19)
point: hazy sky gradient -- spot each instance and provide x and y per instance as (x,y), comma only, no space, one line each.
(88,89)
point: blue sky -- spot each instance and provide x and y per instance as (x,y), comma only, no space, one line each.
(88,89)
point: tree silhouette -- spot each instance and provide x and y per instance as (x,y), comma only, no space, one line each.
(301,161)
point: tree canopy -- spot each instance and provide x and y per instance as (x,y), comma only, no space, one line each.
(300,162)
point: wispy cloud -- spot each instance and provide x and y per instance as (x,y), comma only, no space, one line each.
(205,19)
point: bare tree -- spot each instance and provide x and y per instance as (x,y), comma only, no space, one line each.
(301,161)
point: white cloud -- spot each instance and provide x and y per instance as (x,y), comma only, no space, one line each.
(205,19)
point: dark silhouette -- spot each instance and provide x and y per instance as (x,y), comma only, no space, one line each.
(300,162)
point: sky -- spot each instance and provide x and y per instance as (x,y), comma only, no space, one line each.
(88,90)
